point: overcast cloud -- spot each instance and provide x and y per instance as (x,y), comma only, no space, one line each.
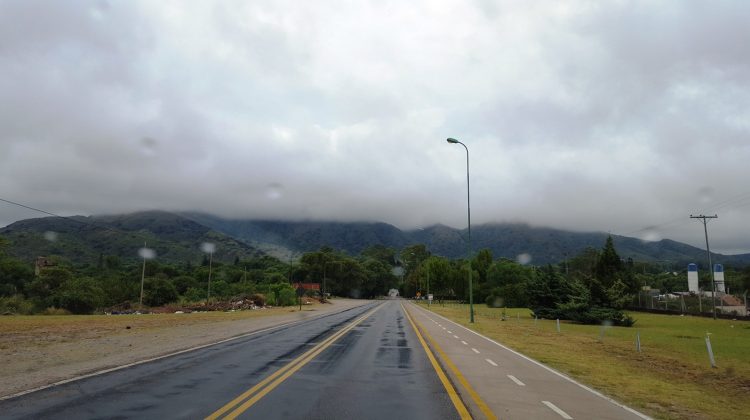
(622,116)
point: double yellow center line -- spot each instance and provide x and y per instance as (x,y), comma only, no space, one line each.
(246,400)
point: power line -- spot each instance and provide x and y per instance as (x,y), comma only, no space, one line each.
(737,201)
(41,211)
(83,222)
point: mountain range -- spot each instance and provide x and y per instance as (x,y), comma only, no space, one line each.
(178,237)
(508,240)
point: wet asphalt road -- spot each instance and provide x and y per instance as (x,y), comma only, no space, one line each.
(376,370)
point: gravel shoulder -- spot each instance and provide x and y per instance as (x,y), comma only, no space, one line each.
(41,350)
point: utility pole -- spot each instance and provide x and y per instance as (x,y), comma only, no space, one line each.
(210,263)
(143,278)
(708,252)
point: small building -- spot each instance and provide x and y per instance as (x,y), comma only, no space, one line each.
(41,264)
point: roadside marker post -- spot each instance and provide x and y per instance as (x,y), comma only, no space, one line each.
(558,324)
(638,341)
(710,351)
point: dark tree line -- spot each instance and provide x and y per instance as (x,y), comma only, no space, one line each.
(590,287)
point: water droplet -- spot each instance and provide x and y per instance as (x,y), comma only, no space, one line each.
(208,247)
(650,235)
(274,191)
(50,236)
(148,146)
(524,258)
(706,194)
(147,253)
(497,302)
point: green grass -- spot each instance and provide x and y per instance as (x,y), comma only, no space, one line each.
(670,378)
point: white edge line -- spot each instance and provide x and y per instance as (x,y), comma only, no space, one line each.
(491,362)
(567,378)
(557,410)
(516,380)
(140,362)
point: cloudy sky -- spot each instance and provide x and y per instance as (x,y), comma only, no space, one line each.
(623,116)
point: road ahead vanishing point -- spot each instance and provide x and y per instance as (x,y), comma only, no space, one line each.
(387,359)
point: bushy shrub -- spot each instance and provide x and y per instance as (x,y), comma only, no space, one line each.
(287,297)
(586,315)
(16,305)
(79,296)
(158,292)
(55,311)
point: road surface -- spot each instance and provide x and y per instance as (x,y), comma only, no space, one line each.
(377,361)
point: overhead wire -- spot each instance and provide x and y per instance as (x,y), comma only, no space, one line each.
(83,222)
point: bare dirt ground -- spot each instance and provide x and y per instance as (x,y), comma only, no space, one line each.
(41,350)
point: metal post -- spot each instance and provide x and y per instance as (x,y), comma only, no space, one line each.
(468,216)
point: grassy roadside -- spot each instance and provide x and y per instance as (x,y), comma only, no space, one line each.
(670,378)
(17,332)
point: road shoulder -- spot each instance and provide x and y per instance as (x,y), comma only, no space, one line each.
(38,363)
(515,386)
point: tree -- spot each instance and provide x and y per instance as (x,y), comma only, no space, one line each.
(506,285)
(14,274)
(44,286)
(609,265)
(546,291)
(159,291)
(380,253)
(441,276)
(79,295)
(481,263)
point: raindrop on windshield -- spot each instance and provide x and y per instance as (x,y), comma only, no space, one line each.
(147,253)
(208,247)
(148,146)
(651,235)
(524,258)
(274,191)
(50,236)
(706,194)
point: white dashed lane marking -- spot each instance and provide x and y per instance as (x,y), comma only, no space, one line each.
(464,343)
(514,379)
(491,362)
(557,410)
(475,350)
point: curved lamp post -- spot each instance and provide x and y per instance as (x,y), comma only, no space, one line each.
(468,214)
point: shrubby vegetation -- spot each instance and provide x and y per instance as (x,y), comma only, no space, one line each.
(592,287)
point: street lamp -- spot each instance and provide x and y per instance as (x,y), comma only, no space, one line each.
(468,214)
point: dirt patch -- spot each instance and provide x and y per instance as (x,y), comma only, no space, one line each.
(39,350)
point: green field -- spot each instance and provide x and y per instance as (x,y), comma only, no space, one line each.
(670,378)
